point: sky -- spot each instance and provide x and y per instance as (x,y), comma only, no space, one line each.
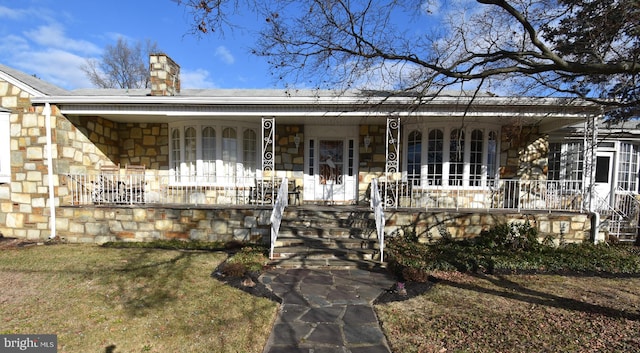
(52,39)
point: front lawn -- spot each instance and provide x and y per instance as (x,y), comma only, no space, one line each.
(98,299)
(507,291)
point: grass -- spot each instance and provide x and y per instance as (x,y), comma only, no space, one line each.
(517,313)
(99,299)
(506,291)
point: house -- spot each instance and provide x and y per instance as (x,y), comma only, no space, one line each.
(95,165)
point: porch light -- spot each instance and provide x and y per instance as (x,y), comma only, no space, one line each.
(296,140)
(367,141)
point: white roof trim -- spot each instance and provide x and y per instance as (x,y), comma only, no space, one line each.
(23,86)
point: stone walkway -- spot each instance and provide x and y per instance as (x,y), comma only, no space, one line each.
(326,311)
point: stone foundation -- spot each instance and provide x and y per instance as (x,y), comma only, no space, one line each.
(102,224)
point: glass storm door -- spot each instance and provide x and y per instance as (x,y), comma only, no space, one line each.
(330,171)
(604,176)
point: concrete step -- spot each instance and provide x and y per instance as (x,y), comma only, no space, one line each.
(329,243)
(326,264)
(306,252)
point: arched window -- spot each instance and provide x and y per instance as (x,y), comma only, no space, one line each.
(175,150)
(209,151)
(190,150)
(249,152)
(434,157)
(229,151)
(204,152)
(414,157)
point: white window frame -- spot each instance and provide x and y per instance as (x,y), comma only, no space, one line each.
(5,146)
(483,182)
(197,175)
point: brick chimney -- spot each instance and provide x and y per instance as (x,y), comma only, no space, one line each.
(164,75)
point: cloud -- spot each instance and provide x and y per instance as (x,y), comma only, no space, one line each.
(53,36)
(56,66)
(224,54)
(198,78)
(11,14)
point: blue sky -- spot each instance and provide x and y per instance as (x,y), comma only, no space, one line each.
(53,38)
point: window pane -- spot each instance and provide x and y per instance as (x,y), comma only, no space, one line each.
(249,152)
(492,155)
(414,157)
(456,157)
(628,167)
(475,159)
(175,150)
(209,151)
(434,157)
(229,151)
(554,160)
(602,169)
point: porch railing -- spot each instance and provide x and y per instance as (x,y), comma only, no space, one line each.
(551,195)
(282,201)
(378,212)
(155,188)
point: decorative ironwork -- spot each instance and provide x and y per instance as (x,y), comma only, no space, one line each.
(590,149)
(268,144)
(393,158)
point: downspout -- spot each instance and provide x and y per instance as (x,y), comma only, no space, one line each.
(52,203)
(592,149)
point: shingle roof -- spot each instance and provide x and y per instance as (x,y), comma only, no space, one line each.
(35,83)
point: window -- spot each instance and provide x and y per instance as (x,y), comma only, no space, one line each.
(229,151)
(456,157)
(475,158)
(5,147)
(435,145)
(453,157)
(414,156)
(209,151)
(628,167)
(249,151)
(492,155)
(206,153)
(566,163)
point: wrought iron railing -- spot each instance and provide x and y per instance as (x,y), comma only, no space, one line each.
(156,188)
(565,195)
(378,212)
(282,201)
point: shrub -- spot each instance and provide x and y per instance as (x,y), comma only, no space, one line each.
(506,247)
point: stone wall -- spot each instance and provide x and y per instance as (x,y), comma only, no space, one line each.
(523,153)
(102,224)
(144,144)
(24,201)
(430,226)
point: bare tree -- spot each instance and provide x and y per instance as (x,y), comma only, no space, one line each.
(122,65)
(584,48)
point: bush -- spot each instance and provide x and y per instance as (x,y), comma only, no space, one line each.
(506,247)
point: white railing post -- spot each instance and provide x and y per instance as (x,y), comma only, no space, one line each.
(378,211)
(282,201)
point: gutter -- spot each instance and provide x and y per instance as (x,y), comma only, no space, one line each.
(52,203)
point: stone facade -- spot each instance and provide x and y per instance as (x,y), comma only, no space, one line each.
(102,224)
(523,153)
(430,226)
(83,145)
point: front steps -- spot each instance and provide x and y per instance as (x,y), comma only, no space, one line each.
(322,237)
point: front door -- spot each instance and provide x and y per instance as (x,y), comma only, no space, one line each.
(604,178)
(330,174)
